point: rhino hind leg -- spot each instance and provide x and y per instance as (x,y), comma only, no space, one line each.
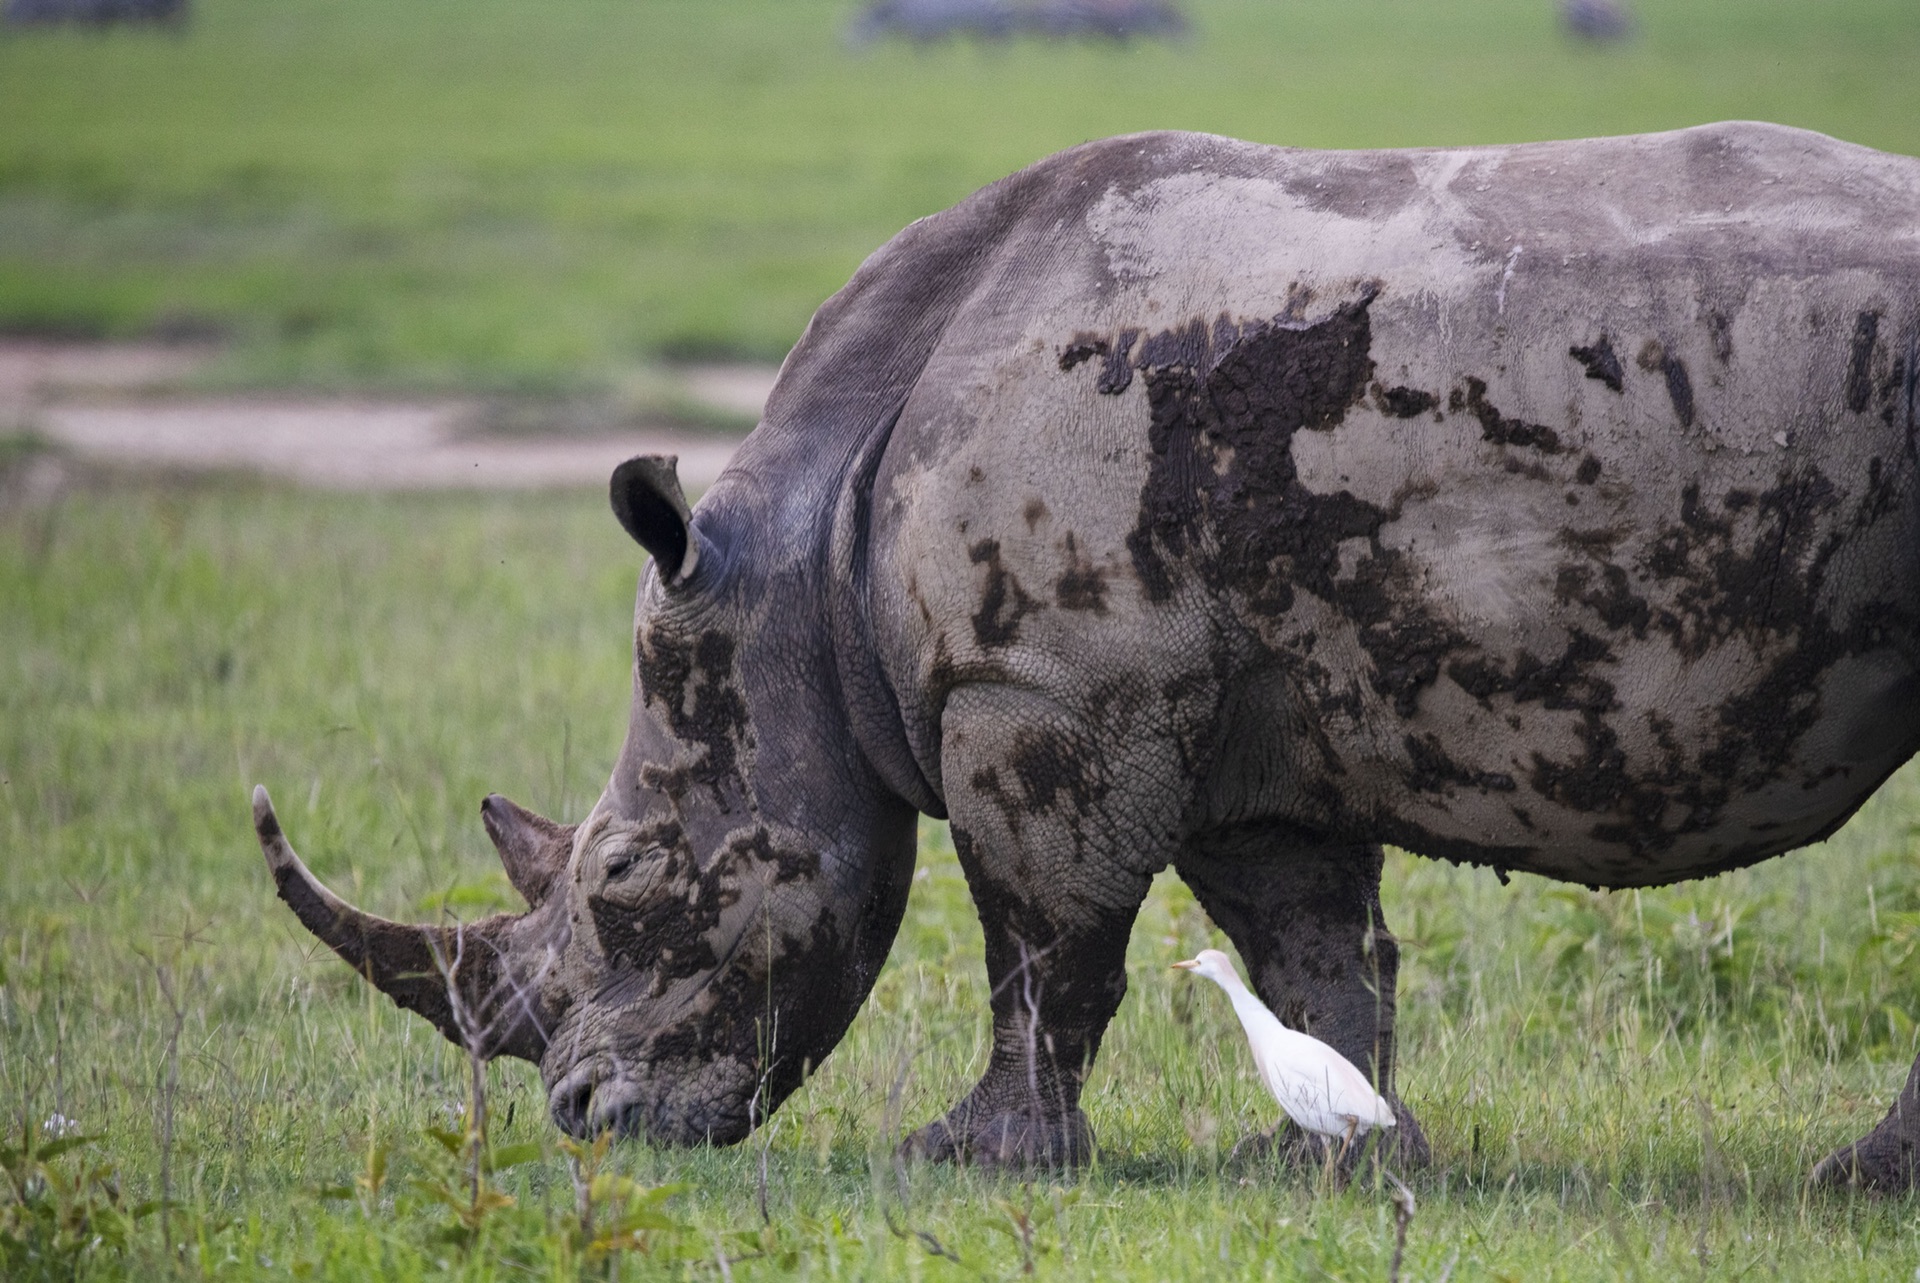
(1038,817)
(1308,925)
(1887,1159)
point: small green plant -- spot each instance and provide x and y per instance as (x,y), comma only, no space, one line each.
(616,1213)
(462,1181)
(366,1187)
(55,1214)
(1027,1221)
(457,1171)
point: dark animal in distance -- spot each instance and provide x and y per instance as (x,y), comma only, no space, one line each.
(929,21)
(1115,20)
(1599,21)
(1184,502)
(98,13)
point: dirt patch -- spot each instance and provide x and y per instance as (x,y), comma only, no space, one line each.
(353,445)
(129,405)
(33,372)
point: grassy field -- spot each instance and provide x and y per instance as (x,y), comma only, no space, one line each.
(550,198)
(495,194)
(1616,1085)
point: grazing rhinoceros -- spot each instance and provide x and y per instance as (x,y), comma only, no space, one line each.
(1179,501)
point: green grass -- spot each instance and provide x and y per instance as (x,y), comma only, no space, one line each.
(1615,1085)
(501,194)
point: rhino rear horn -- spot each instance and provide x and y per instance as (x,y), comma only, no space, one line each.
(533,848)
(647,499)
(455,976)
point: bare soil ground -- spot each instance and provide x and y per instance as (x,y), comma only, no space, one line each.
(131,405)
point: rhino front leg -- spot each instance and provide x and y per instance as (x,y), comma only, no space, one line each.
(1057,978)
(1057,895)
(1308,925)
(1887,1159)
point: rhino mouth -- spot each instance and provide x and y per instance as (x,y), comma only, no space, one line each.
(680,1105)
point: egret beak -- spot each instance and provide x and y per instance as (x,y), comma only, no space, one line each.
(1188,965)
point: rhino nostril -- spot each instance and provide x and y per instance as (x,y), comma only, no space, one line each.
(591,1100)
(622,1118)
(573,1106)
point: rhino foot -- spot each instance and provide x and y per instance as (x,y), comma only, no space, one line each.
(1887,1159)
(1407,1143)
(1009,1140)
(1882,1161)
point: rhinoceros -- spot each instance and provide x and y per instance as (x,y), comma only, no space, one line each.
(1184,502)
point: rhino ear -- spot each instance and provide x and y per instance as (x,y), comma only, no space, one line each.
(648,501)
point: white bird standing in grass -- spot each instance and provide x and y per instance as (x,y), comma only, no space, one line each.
(1318,1087)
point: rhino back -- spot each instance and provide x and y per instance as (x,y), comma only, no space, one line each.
(1552,506)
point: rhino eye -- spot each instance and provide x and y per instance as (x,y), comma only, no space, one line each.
(619,862)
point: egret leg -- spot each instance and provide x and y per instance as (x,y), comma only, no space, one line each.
(1346,1138)
(1307,922)
(1333,1171)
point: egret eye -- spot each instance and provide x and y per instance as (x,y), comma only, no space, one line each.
(619,862)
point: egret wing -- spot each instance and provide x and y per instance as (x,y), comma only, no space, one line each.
(1320,1089)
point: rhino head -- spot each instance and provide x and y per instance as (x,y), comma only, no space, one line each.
(704,936)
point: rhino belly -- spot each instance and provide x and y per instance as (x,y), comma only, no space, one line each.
(1674,777)
(1704,662)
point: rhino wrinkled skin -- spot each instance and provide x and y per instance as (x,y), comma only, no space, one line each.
(1184,502)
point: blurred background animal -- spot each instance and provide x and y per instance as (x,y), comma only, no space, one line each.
(931,21)
(1597,21)
(98,13)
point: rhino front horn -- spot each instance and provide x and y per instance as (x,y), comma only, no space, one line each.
(452,975)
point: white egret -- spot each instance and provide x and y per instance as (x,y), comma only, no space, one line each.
(1318,1087)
